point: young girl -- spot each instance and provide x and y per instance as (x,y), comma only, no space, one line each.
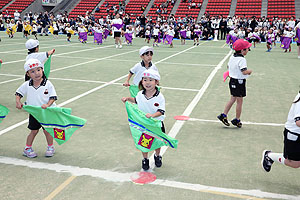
(152,102)
(33,51)
(270,38)
(82,33)
(11,28)
(291,150)
(34,29)
(129,35)
(69,31)
(147,34)
(27,29)
(197,33)
(39,92)
(156,32)
(117,25)
(170,36)
(182,34)
(97,34)
(238,73)
(287,39)
(137,70)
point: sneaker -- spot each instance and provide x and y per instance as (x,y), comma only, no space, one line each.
(266,161)
(236,122)
(117,46)
(223,118)
(120,46)
(145,164)
(29,153)
(158,162)
(50,151)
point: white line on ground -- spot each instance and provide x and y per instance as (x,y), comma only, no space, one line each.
(178,124)
(244,122)
(118,177)
(91,81)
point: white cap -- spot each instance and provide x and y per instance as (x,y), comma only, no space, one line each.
(151,73)
(145,49)
(32,63)
(31,43)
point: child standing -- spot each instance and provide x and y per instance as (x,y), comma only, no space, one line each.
(156,31)
(291,150)
(39,92)
(238,72)
(147,34)
(146,54)
(33,51)
(152,102)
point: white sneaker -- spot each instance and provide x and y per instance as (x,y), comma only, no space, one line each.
(299,57)
(117,46)
(120,46)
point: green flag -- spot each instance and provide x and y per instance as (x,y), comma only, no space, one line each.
(57,121)
(134,89)
(0,64)
(47,67)
(3,112)
(146,132)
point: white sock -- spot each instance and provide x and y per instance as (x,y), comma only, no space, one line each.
(277,157)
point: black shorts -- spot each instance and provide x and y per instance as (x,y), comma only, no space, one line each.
(26,32)
(55,32)
(291,149)
(269,43)
(69,35)
(33,32)
(163,127)
(237,87)
(33,123)
(298,44)
(148,37)
(117,34)
(155,37)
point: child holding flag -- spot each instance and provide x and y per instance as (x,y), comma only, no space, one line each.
(146,54)
(39,92)
(152,102)
(33,51)
(238,73)
(291,155)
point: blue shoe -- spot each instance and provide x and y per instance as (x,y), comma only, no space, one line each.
(28,152)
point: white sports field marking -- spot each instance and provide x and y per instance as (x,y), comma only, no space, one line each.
(91,81)
(70,52)
(23,43)
(205,53)
(119,177)
(250,123)
(224,45)
(178,124)
(11,80)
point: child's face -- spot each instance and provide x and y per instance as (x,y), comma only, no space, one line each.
(147,57)
(35,74)
(149,83)
(245,51)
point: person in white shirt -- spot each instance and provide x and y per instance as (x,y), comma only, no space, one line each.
(33,51)
(238,73)
(288,34)
(34,29)
(170,36)
(16,15)
(117,25)
(297,32)
(291,150)
(39,92)
(156,32)
(147,34)
(151,101)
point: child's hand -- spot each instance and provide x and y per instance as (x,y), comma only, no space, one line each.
(126,84)
(0,60)
(19,105)
(148,115)
(44,106)
(124,99)
(249,71)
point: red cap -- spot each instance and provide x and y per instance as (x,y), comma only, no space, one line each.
(241,44)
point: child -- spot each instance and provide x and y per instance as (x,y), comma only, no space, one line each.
(97,34)
(34,29)
(238,73)
(129,35)
(82,33)
(197,33)
(146,54)
(156,32)
(147,34)
(33,51)
(287,39)
(254,37)
(270,38)
(152,102)
(182,34)
(27,29)
(297,38)
(117,25)
(39,92)
(291,150)
(69,31)
(170,36)
(11,28)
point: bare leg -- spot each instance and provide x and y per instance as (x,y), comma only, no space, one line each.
(31,137)
(239,104)
(49,138)
(292,163)
(229,104)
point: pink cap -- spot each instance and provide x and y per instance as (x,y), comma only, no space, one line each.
(241,44)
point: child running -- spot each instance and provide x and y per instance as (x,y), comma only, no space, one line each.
(146,54)
(291,150)
(238,72)
(152,102)
(39,92)
(33,51)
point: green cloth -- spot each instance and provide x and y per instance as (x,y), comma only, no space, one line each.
(57,121)
(3,112)
(134,89)
(47,67)
(146,132)
(0,65)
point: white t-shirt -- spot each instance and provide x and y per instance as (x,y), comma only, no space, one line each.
(294,114)
(289,34)
(117,21)
(236,64)
(37,96)
(81,30)
(155,31)
(42,56)
(138,70)
(171,32)
(151,105)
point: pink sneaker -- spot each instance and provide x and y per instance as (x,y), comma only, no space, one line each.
(29,153)
(50,151)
